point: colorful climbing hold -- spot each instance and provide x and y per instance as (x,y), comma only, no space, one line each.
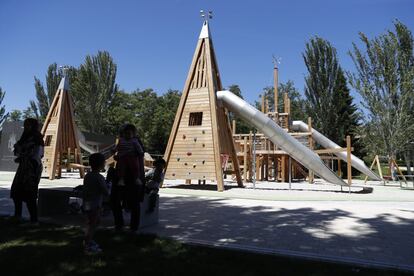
(189,153)
(184,136)
(204,161)
(194,165)
(178,159)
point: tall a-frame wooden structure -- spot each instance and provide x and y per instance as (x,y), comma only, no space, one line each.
(60,133)
(201,141)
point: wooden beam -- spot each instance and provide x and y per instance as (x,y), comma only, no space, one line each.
(213,110)
(398,169)
(275,85)
(370,167)
(263,102)
(348,159)
(245,166)
(311,175)
(339,168)
(379,166)
(332,150)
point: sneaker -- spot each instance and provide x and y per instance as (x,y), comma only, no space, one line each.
(92,248)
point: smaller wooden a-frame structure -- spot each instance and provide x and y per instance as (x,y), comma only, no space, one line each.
(200,141)
(60,134)
(391,164)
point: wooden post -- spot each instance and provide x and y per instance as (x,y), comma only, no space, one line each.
(234,127)
(310,140)
(398,170)
(339,168)
(275,90)
(250,156)
(258,167)
(370,167)
(379,166)
(267,106)
(245,166)
(348,159)
(263,102)
(69,156)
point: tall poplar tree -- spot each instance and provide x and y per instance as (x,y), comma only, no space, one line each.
(384,78)
(93,90)
(329,102)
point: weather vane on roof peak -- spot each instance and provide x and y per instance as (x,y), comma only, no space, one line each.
(276,61)
(206,15)
(64,69)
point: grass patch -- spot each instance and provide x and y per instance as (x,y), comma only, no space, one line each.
(57,250)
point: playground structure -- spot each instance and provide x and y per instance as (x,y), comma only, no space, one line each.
(201,142)
(394,171)
(64,142)
(201,147)
(61,134)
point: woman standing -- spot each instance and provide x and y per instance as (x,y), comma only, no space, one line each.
(29,152)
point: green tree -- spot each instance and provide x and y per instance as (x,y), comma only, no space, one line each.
(163,120)
(152,115)
(119,112)
(329,102)
(3,114)
(384,78)
(93,90)
(241,126)
(143,107)
(15,116)
(44,96)
(297,103)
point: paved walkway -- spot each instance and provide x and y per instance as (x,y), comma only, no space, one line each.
(310,221)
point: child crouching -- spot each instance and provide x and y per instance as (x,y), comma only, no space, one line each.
(94,190)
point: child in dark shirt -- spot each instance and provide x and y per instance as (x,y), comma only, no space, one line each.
(94,190)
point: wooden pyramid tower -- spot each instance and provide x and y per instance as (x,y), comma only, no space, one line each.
(200,140)
(60,134)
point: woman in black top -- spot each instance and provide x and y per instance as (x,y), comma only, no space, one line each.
(29,153)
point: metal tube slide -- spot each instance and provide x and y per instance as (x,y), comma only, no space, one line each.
(327,143)
(277,135)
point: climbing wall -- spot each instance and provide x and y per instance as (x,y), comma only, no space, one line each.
(200,138)
(192,155)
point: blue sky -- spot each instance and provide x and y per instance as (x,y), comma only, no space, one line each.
(153,41)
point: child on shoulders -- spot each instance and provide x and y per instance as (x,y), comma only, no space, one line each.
(128,152)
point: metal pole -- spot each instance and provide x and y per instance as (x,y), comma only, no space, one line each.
(254,159)
(290,173)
